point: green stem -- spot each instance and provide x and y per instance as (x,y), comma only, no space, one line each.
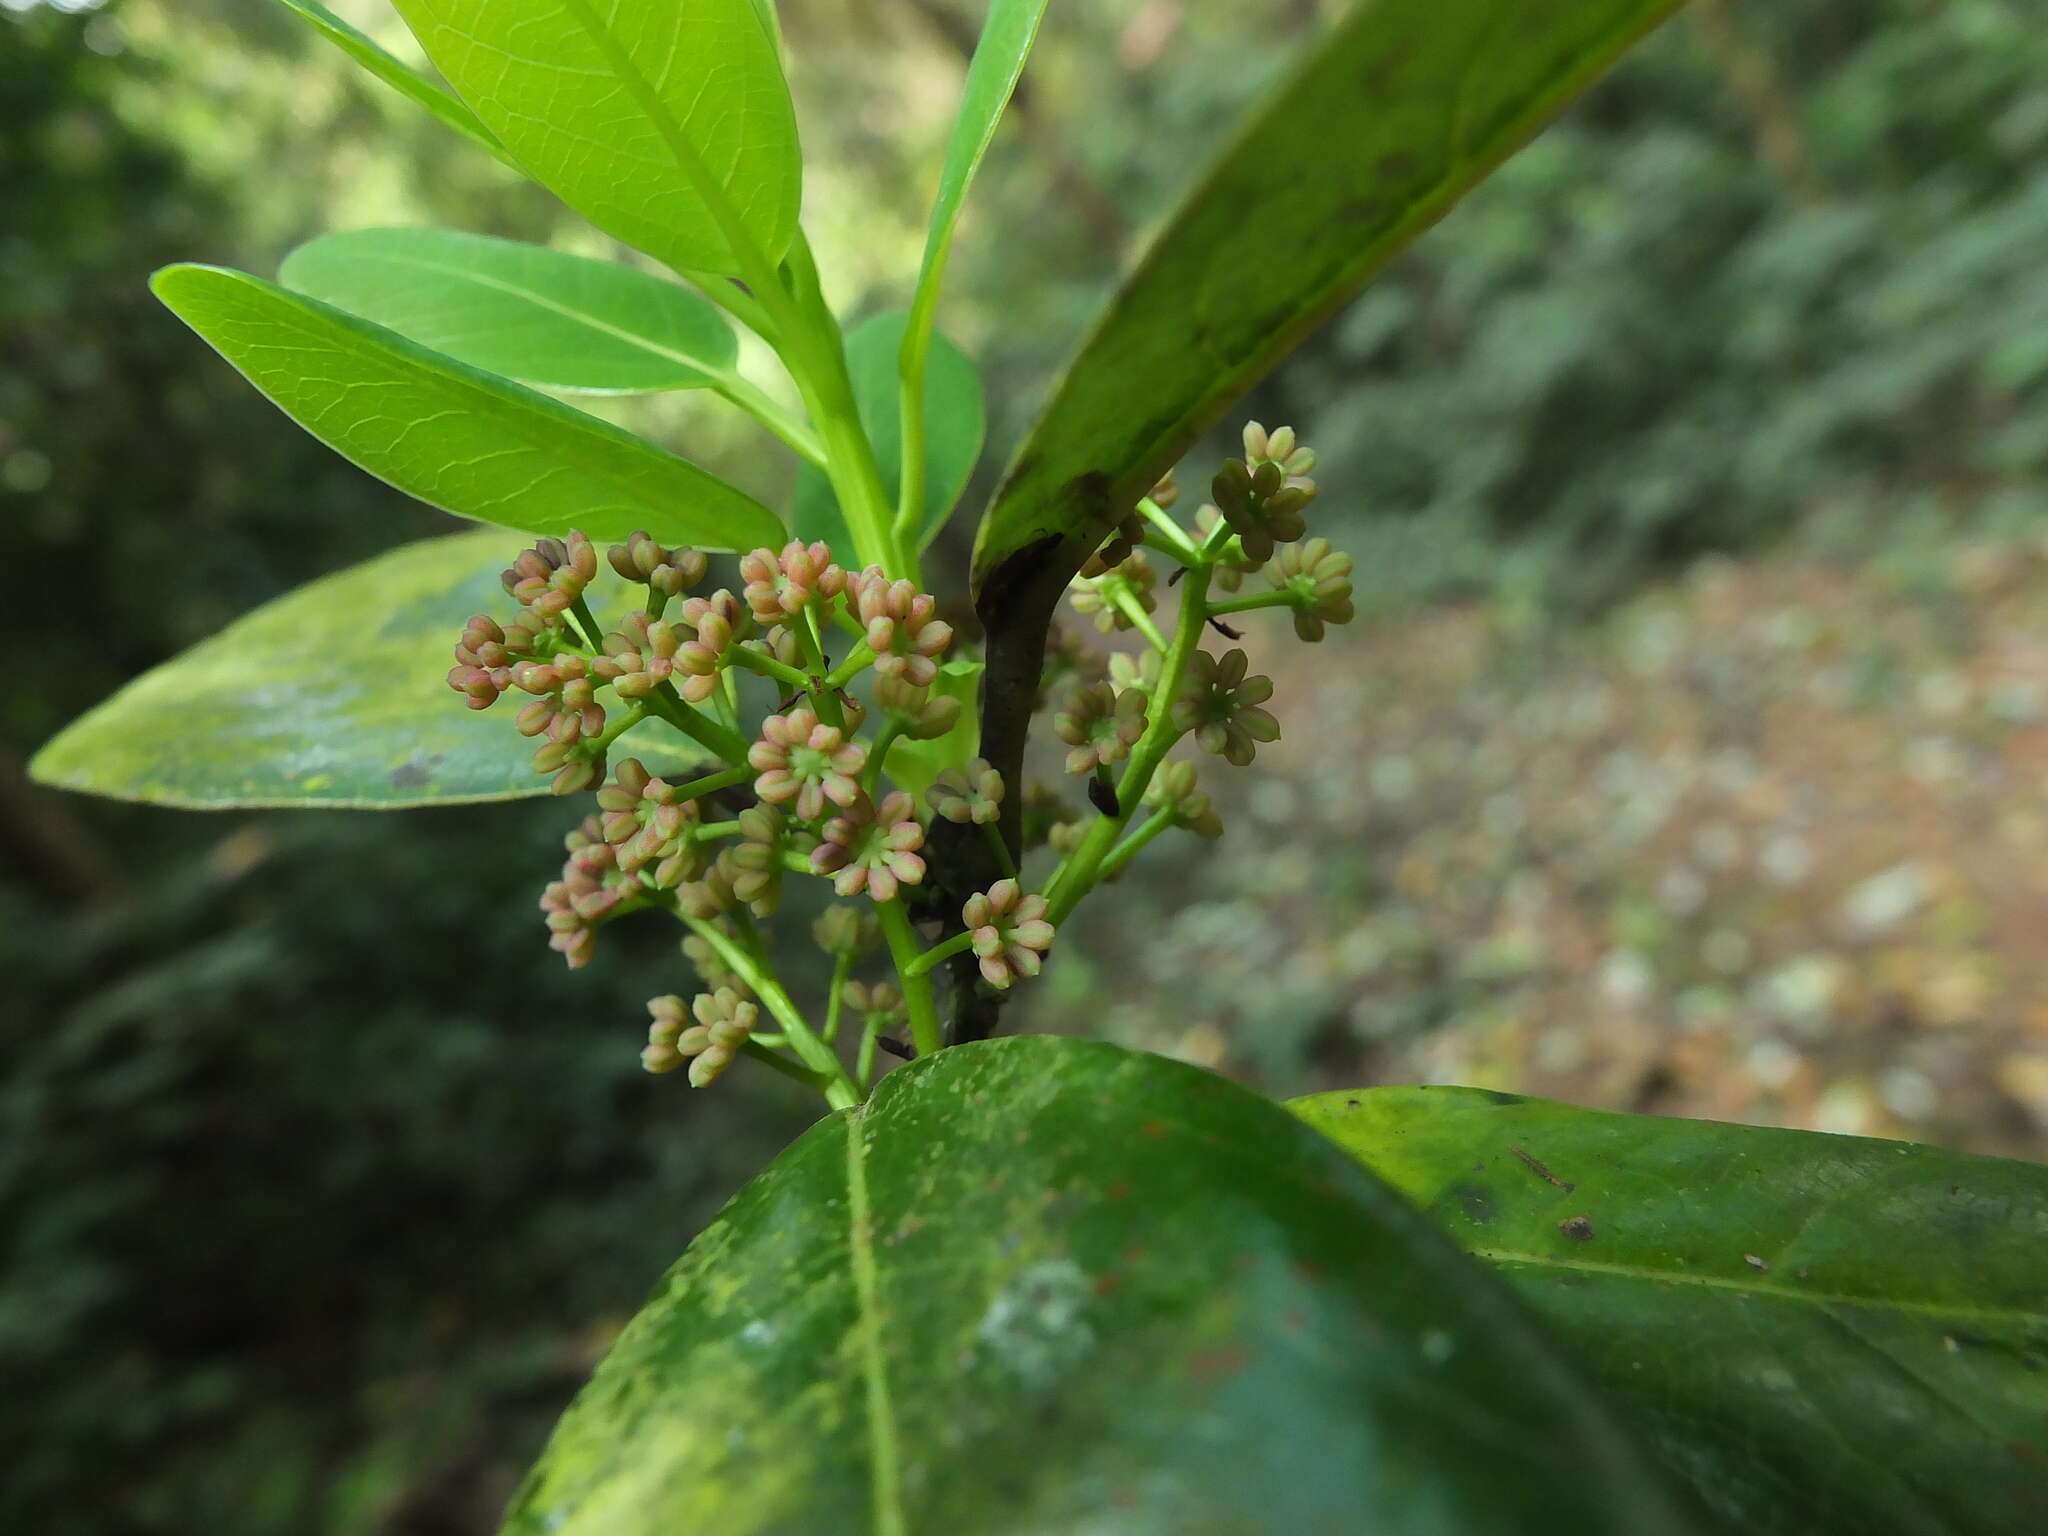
(856,663)
(993,836)
(772,414)
(1284,598)
(1081,870)
(870,1036)
(1129,606)
(910,413)
(760,1051)
(878,755)
(623,724)
(842,968)
(735,301)
(768,666)
(706,732)
(917,987)
(1176,537)
(593,632)
(711,783)
(710,829)
(839,1090)
(816,352)
(1129,848)
(927,962)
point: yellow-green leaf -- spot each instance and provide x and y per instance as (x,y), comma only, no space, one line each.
(333,695)
(454,436)
(664,122)
(379,61)
(522,311)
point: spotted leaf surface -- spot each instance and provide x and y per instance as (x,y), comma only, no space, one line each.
(1822,1333)
(332,695)
(1043,1285)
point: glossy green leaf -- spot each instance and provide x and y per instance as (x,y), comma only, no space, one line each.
(955,420)
(666,124)
(539,316)
(1822,1333)
(333,695)
(394,72)
(1042,1285)
(454,436)
(1007,33)
(1392,116)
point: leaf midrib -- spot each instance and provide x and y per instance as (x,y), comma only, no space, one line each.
(860,1243)
(1649,1275)
(542,301)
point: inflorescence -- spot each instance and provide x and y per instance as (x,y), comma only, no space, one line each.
(830,782)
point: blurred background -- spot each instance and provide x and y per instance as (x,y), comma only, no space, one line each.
(1687,756)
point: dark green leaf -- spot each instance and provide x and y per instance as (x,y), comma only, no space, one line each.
(367,52)
(453,436)
(668,125)
(1394,114)
(1822,1333)
(954,424)
(333,695)
(1043,1285)
(539,316)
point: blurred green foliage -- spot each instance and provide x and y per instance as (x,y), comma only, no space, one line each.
(309,1195)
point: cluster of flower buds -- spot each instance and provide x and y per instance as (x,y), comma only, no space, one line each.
(541,653)
(669,572)
(1010,933)
(901,624)
(1219,703)
(1264,494)
(805,763)
(591,890)
(1107,599)
(821,802)
(1173,789)
(872,847)
(1100,726)
(724,1022)
(779,587)
(550,577)
(970,794)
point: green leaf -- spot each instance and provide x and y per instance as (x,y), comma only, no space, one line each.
(1006,37)
(1819,1332)
(333,695)
(666,124)
(453,436)
(1393,115)
(373,57)
(543,317)
(1043,1285)
(955,420)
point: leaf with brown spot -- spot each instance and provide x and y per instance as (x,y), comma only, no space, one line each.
(1819,1332)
